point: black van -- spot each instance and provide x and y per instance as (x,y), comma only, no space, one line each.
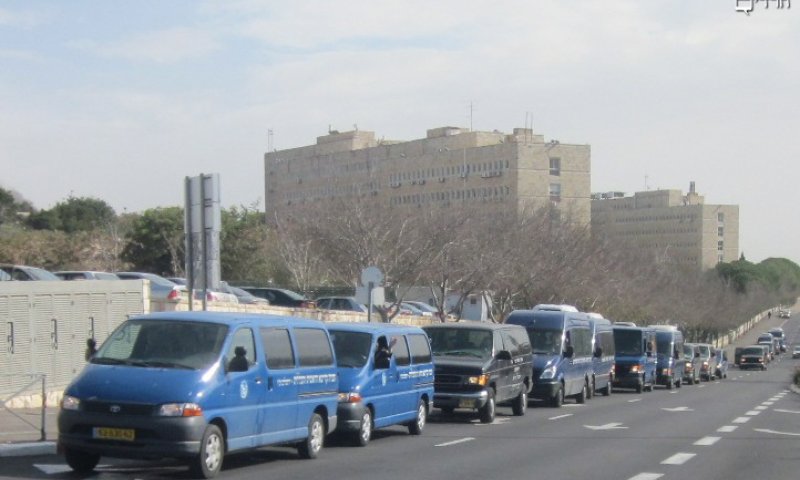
(479,365)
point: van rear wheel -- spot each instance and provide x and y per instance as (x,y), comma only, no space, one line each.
(81,462)
(311,446)
(416,427)
(581,397)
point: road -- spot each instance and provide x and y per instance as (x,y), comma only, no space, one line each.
(744,427)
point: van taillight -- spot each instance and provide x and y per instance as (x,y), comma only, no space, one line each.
(174,295)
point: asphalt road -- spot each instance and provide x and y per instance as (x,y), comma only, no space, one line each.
(744,427)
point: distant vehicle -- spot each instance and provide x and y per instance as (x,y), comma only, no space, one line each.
(85,275)
(222,294)
(243,296)
(796,351)
(280,297)
(347,304)
(635,360)
(692,363)
(721,370)
(25,273)
(479,365)
(784,313)
(602,355)
(625,324)
(366,400)
(550,307)
(669,348)
(416,310)
(160,288)
(780,335)
(708,358)
(424,307)
(754,356)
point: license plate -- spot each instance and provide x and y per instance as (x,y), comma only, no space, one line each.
(124,434)
(466,403)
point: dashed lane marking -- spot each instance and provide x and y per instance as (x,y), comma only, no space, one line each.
(635,400)
(753,413)
(646,476)
(678,459)
(707,441)
(761,407)
(741,420)
(456,442)
(769,404)
(560,416)
(727,429)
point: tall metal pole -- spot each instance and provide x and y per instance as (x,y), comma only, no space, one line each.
(204,243)
(189,235)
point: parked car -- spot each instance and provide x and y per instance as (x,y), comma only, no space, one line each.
(562,348)
(366,356)
(796,351)
(25,273)
(692,363)
(721,370)
(424,307)
(280,297)
(347,304)
(161,289)
(417,310)
(85,275)
(221,294)
(241,295)
(479,365)
(754,356)
(198,386)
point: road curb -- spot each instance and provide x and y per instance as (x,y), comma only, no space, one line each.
(29,449)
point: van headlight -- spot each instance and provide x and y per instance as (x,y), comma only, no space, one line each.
(70,403)
(481,380)
(180,410)
(548,373)
(636,368)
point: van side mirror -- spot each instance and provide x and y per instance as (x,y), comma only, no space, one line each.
(504,355)
(569,352)
(598,352)
(696,354)
(91,349)
(713,354)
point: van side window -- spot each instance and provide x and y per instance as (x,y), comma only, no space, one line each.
(242,352)
(313,347)
(498,343)
(277,348)
(420,349)
(524,342)
(511,343)
(400,350)
(581,341)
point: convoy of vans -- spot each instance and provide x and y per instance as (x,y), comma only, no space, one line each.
(198,386)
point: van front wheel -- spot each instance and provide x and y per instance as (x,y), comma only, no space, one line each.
(487,412)
(311,446)
(416,427)
(520,402)
(364,434)
(81,462)
(212,450)
(558,399)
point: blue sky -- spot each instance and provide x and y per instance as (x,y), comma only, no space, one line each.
(122,100)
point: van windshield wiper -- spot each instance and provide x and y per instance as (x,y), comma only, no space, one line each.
(109,361)
(159,364)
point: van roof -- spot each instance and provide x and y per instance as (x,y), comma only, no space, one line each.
(229,318)
(373,327)
(471,325)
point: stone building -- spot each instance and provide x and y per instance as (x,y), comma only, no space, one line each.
(450,166)
(674,227)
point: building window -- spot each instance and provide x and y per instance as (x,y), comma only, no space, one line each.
(720,217)
(720,258)
(720,231)
(555,192)
(555,166)
(720,245)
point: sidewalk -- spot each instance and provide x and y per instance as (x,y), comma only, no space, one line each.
(20,432)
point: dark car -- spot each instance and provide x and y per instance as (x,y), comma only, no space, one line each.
(479,365)
(24,273)
(280,297)
(85,275)
(754,356)
(346,304)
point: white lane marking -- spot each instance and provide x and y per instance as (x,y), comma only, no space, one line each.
(766,430)
(52,469)
(768,403)
(560,416)
(727,429)
(678,459)
(753,413)
(646,476)
(785,411)
(497,421)
(456,442)
(607,426)
(701,386)
(635,400)
(574,405)
(707,441)
(678,409)
(674,391)
(746,374)
(741,420)
(761,407)
(786,391)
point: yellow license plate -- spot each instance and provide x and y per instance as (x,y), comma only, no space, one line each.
(466,403)
(125,434)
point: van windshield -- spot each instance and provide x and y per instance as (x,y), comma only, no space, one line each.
(628,342)
(545,341)
(664,345)
(688,352)
(163,344)
(461,342)
(753,351)
(352,348)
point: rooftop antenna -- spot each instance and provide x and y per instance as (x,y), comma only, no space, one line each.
(270,140)
(646,186)
(470,116)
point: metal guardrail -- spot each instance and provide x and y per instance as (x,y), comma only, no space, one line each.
(35,378)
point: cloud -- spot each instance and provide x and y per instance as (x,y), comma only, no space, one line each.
(163,47)
(22,19)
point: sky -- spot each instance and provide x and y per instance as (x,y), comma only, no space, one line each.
(122,100)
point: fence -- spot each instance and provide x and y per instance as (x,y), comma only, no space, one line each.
(37,378)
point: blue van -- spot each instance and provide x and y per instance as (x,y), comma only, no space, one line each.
(635,358)
(199,385)
(562,353)
(603,356)
(380,386)
(669,354)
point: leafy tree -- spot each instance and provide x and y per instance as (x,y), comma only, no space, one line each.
(155,242)
(246,255)
(76,214)
(10,208)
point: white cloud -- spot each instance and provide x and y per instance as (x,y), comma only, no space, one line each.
(21,19)
(164,46)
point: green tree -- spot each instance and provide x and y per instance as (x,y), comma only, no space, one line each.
(245,253)
(155,242)
(76,214)
(10,208)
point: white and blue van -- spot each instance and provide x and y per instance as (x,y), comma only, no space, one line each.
(380,386)
(199,385)
(562,353)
